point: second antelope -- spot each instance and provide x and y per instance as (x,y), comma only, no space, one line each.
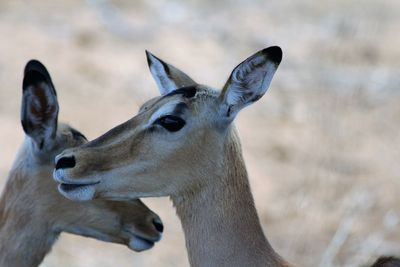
(33,213)
(183,144)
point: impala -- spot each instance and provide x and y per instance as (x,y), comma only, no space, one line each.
(183,144)
(33,213)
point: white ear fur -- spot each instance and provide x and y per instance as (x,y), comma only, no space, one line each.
(167,77)
(249,81)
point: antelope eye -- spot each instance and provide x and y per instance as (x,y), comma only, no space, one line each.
(77,135)
(171,123)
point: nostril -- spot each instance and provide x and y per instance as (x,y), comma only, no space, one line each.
(158,225)
(65,162)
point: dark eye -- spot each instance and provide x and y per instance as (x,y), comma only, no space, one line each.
(171,123)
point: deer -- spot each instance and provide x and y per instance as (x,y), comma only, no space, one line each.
(183,144)
(32,212)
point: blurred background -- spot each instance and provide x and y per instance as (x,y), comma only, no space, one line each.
(322,147)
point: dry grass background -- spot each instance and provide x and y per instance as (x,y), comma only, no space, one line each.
(322,147)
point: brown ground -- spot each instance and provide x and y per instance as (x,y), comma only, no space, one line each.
(322,147)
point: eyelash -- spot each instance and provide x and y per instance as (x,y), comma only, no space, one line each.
(171,123)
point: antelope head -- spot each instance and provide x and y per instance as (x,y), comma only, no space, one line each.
(176,141)
(30,188)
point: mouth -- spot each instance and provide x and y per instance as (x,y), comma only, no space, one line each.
(80,192)
(140,243)
(71,187)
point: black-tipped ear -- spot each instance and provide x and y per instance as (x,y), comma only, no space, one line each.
(387,261)
(39,110)
(167,77)
(249,81)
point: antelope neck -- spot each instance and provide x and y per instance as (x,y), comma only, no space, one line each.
(220,221)
(23,241)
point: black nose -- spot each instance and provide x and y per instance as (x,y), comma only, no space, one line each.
(158,225)
(65,162)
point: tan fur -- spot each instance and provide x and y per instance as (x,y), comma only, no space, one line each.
(220,221)
(200,165)
(212,196)
(33,213)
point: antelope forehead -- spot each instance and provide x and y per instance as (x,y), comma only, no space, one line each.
(177,105)
(186,92)
(173,107)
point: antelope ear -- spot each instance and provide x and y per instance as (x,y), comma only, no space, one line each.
(249,81)
(39,110)
(167,77)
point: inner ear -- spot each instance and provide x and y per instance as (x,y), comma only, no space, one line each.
(167,77)
(249,81)
(39,109)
